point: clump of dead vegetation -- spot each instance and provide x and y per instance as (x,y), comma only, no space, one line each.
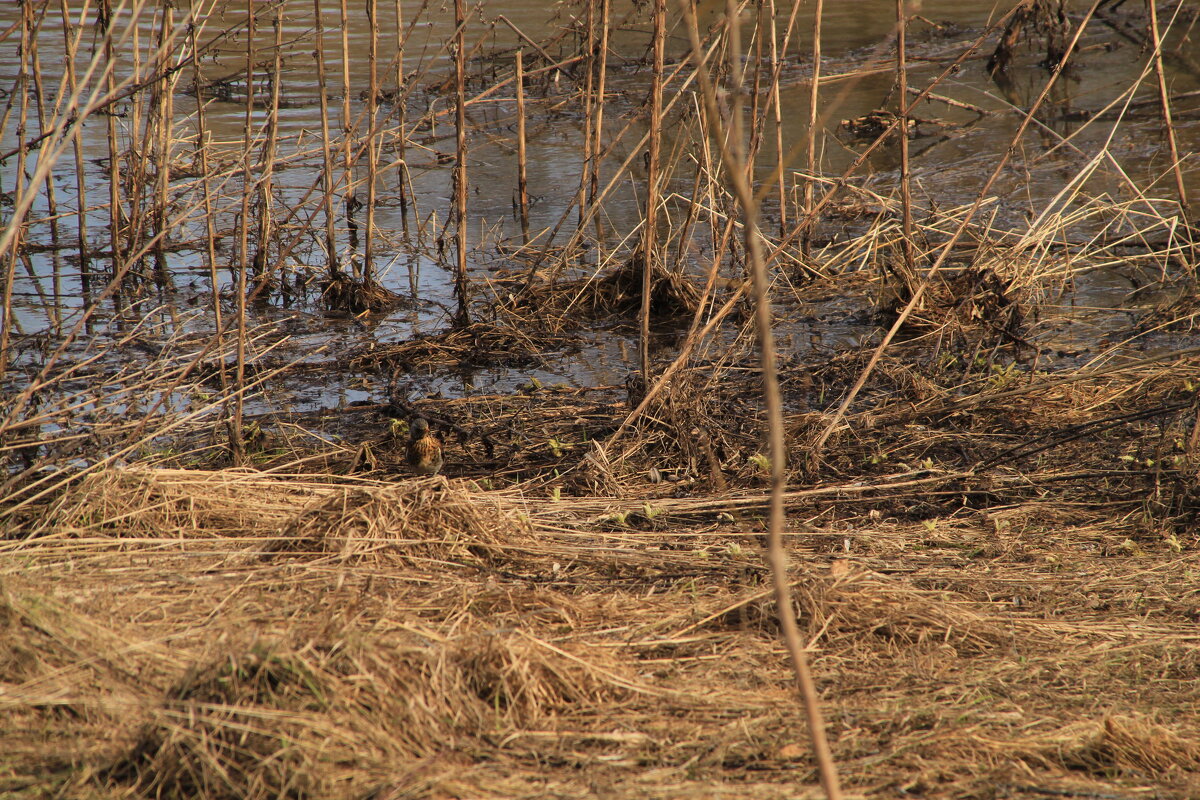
(975,304)
(359,525)
(292,719)
(343,293)
(617,293)
(506,343)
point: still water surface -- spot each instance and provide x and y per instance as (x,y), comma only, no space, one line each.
(952,152)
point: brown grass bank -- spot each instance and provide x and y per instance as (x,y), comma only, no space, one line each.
(236,634)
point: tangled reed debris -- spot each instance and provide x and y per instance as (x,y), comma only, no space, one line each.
(479,344)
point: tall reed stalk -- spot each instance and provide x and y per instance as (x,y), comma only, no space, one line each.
(1164,99)
(265,178)
(733,153)
(54,310)
(776,106)
(810,135)
(401,116)
(328,181)
(593,164)
(206,199)
(350,200)
(522,174)
(653,156)
(163,115)
(13,254)
(372,149)
(116,216)
(236,438)
(906,240)
(590,104)
(71,41)
(755,92)
(136,160)
(460,165)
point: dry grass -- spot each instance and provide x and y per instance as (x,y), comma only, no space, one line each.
(236,634)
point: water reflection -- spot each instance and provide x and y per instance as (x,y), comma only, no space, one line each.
(953,147)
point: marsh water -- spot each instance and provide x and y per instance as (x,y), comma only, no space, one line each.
(954,147)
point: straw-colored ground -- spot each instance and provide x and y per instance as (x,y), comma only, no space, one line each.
(231,634)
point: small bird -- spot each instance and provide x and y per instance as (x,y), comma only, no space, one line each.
(424,450)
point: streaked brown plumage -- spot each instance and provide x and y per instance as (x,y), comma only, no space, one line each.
(424,450)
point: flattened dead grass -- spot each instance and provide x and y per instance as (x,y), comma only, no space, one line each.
(312,637)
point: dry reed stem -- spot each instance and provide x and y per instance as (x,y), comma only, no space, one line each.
(649,248)
(463,316)
(1165,106)
(906,214)
(736,169)
(522,178)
